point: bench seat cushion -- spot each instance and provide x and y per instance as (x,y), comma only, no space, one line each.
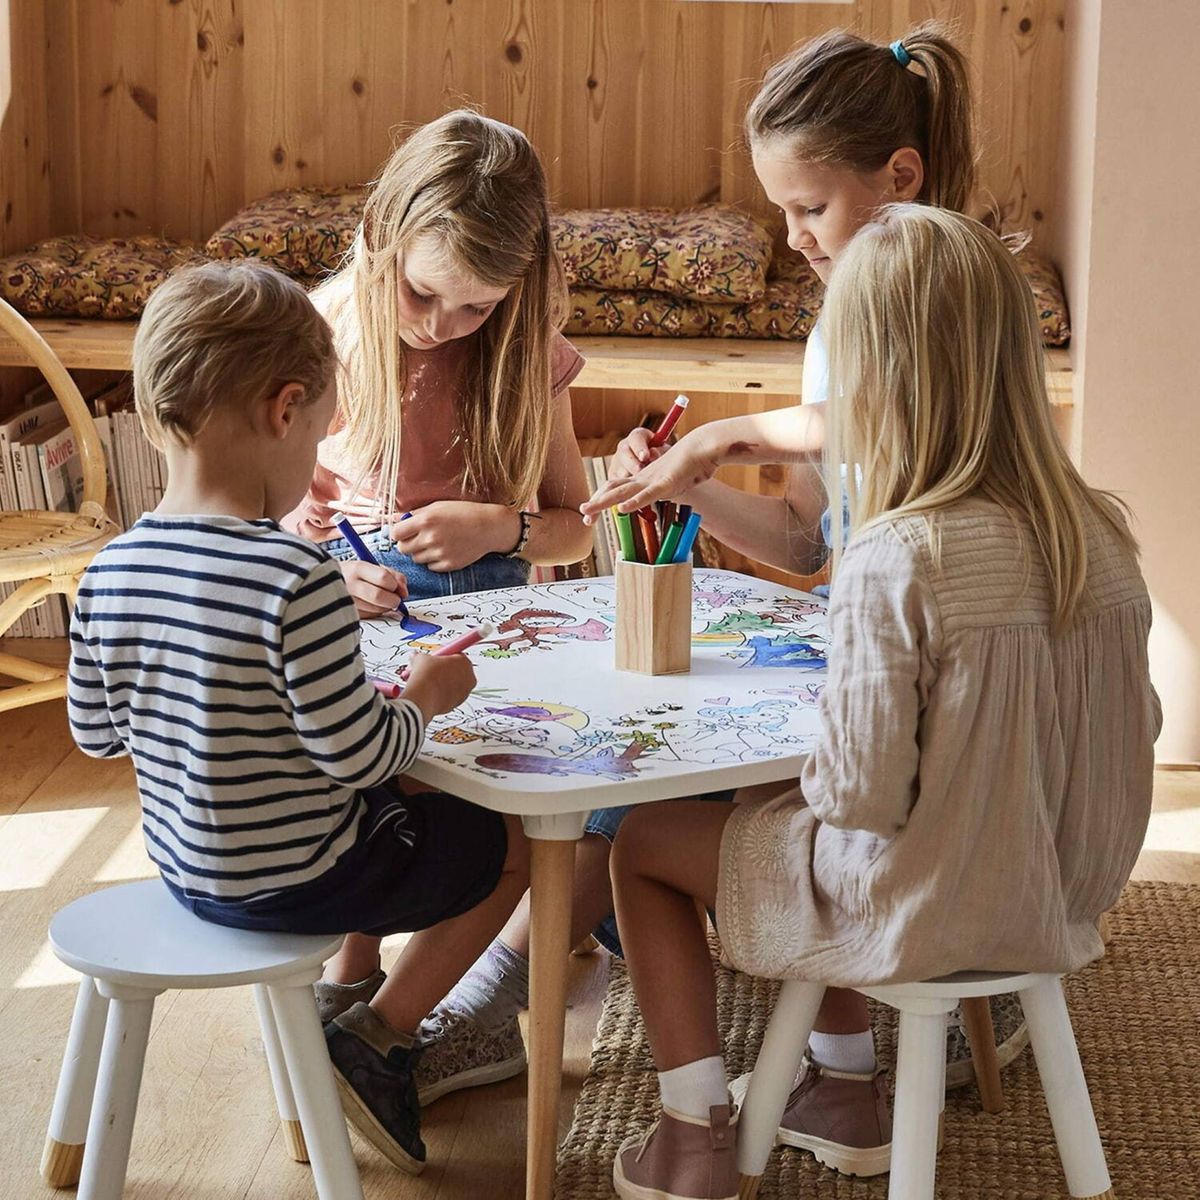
(91,277)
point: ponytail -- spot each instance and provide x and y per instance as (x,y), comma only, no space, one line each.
(842,100)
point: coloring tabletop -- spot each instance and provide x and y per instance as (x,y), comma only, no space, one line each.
(553,730)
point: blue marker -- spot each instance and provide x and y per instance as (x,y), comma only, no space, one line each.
(360,549)
(683,552)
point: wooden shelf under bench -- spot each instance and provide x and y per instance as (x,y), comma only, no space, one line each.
(648,364)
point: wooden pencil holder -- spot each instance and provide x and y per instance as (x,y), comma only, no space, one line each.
(654,618)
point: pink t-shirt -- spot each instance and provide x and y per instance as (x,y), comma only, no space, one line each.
(431,457)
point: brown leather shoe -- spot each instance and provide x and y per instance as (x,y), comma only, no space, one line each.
(840,1118)
(681,1158)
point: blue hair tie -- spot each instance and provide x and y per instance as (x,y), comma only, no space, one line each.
(902,56)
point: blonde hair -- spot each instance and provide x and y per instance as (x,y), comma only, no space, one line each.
(937,391)
(223,333)
(478,186)
(844,101)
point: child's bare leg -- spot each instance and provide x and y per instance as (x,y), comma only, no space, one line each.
(435,959)
(355,961)
(666,857)
(591,896)
(842,1011)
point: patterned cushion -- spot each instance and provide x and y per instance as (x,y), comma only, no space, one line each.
(1048,296)
(84,276)
(787,311)
(712,253)
(303,231)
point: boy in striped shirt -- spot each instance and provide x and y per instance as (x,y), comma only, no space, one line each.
(222,654)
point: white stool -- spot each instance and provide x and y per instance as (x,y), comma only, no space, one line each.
(133,942)
(921,1078)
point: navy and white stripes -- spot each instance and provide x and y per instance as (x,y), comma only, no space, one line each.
(223,655)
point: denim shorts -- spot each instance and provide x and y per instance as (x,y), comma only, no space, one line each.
(606,822)
(491,571)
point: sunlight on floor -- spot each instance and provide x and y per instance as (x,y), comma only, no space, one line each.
(47,840)
(45,971)
(129,860)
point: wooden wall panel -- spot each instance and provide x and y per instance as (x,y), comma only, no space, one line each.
(169,114)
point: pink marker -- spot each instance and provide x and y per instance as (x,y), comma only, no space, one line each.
(386,687)
(466,641)
(669,421)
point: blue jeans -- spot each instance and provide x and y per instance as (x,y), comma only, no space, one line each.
(491,571)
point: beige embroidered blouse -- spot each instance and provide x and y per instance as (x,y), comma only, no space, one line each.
(981,787)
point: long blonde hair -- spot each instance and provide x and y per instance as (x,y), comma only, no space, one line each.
(937,391)
(843,101)
(477,185)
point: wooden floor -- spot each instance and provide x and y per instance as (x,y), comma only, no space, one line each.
(207,1127)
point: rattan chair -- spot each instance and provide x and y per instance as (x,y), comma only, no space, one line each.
(47,551)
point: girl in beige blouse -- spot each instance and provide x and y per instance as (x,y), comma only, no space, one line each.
(981,785)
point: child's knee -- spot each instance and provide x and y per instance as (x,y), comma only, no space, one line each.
(626,853)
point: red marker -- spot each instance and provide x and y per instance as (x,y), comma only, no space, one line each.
(386,687)
(466,641)
(669,421)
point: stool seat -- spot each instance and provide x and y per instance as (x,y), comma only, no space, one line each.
(139,935)
(962,985)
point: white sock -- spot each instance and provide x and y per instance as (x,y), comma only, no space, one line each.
(850,1052)
(695,1087)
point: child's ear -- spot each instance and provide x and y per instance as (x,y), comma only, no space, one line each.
(906,171)
(281,409)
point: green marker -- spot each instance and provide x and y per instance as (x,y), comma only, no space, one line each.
(625,533)
(670,543)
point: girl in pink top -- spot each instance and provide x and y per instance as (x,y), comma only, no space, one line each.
(454,418)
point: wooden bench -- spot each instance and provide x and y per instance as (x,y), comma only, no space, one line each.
(648,364)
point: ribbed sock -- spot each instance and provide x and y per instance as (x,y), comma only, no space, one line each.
(494,990)
(850,1052)
(695,1087)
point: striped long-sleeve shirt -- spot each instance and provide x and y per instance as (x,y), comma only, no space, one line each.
(223,656)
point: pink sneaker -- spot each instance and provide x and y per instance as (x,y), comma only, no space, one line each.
(681,1158)
(839,1118)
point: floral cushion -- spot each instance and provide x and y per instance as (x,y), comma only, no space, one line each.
(304,232)
(787,311)
(712,253)
(1048,297)
(83,276)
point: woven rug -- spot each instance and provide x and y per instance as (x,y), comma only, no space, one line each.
(1136,1015)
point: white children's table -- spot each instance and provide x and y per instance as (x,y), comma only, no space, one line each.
(553,731)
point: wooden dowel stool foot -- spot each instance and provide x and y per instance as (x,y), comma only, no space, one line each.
(749,1186)
(293,1138)
(61,1163)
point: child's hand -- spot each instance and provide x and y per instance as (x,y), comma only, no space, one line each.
(670,476)
(375,590)
(633,454)
(448,535)
(438,683)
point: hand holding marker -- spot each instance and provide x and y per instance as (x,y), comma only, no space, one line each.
(668,537)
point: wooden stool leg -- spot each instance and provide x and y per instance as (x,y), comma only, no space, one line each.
(919,1080)
(774,1073)
(114,1108)
(1066,1091)
(311,1075)
(289,1119)
(552,870)
(62,1158)
(981,1036)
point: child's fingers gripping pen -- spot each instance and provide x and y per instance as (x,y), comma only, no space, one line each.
(669,421)
(362,552)
(386,687)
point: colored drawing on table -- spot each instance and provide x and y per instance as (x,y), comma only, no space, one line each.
(555,715)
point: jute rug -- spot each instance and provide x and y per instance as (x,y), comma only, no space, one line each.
(1137,1021)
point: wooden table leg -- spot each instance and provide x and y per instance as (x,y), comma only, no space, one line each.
(981,1037)
(552,872)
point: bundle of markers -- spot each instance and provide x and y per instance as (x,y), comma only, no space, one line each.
(660,535)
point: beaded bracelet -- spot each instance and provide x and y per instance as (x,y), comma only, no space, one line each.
(527,519)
